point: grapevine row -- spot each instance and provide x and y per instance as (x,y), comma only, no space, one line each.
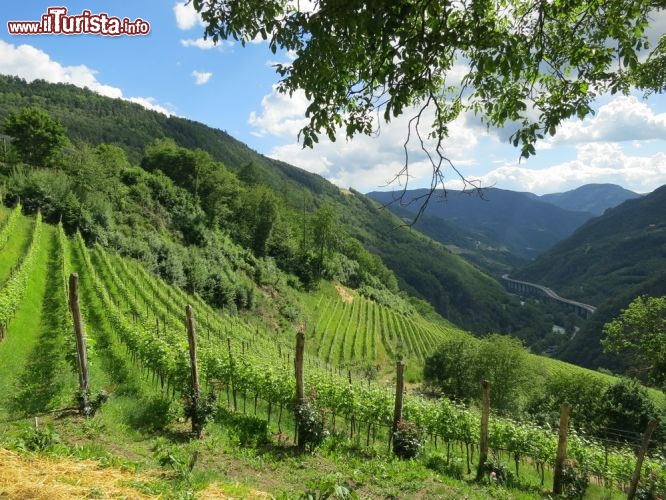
(14,290)
(7,229)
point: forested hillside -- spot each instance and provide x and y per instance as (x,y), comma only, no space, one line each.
(607,262)
(101,190)
(611,254)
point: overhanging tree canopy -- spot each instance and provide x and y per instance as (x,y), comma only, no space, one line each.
(526,63)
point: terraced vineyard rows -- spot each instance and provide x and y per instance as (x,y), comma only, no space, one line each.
(345,333)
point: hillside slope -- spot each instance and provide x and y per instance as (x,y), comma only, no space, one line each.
(607,262)
(622,249)
(458,291)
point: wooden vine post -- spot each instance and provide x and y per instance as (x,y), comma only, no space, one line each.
(399,394)
(82,358)
(483,444)
(652,425)
(561,456)
(196,393)
(300,388)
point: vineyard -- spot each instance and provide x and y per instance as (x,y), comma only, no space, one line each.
(137,347)
(353,330)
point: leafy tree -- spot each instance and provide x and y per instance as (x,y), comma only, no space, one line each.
(502,361)
(250,174)
(35,135)
(198,173)
(460,364)
(640,331)
(449,368)
(626,409)
(525,63)
(326,234)
(581,390)
(257,214)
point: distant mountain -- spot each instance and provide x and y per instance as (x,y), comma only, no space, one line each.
(592,198)
(623,248)
(607,262)
(520,224)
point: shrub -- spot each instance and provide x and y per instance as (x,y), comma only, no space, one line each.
(406,442)
(310,426)
(497,473)
(574,480)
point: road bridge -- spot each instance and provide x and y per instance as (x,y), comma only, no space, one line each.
(526,288)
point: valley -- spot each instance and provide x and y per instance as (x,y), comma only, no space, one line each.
(178,215)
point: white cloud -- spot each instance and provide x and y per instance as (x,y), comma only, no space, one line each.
(149,103)
(206,44)
(368,163)
(625,118)
(31,63)
(201,77)
(186,16)
(281,115)
(365,162)
(594,162)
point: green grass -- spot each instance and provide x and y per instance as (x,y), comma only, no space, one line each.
(48,380)
(26,328)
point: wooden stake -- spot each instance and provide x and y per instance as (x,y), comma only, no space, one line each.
(84,383)
(483,445)
(192,342)
(652,425)
(298,372)
(399,392)
(561,456)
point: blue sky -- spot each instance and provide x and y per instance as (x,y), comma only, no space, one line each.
(232,88)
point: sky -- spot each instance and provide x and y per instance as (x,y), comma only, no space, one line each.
(233,88)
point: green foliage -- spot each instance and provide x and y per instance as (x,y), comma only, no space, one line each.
(248,430)
(326,234)
(461,363)
(530,63)
(406,441)
(581,390)
(495,472)
(180,461)
(329,487)
(36,136)
(626,410)
(640,330)
(200,410)
(450,368)
(9,225)
(652,486)
(575,480)
(13,291)
(37,439)
(311,430)
(451,467)
(155,414)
